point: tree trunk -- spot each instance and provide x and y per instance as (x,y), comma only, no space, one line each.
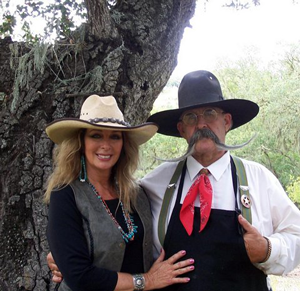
(132,59)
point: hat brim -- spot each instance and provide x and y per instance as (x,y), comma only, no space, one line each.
(61,129)
(242,111)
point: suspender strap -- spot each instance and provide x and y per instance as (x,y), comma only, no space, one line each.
(165,205)
(243,189)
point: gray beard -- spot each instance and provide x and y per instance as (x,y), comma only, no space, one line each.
(206,133)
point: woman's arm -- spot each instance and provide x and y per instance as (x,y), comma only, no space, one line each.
(161,274)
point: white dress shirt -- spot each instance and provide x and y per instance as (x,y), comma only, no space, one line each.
(273,214)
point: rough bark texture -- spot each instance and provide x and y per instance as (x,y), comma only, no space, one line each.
(131,55)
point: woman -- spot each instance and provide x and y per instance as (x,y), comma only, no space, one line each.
(99,229)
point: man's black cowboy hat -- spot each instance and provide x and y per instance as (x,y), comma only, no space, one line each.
(202,89)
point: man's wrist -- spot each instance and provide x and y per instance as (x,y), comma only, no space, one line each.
(269,250)
(138,282)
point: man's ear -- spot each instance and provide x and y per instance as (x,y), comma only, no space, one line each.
(228,121)
(180,128)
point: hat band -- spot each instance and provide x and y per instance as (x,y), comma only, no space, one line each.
(108,119)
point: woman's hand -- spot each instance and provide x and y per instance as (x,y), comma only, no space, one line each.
(165,273)
(56,274)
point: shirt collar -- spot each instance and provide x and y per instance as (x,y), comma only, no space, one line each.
(216,169)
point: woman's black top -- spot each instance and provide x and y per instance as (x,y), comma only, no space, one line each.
(69,237)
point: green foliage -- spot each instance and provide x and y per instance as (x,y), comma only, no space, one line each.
(293,189)
(159,147)
(7,25)
(275,88)
(58,17)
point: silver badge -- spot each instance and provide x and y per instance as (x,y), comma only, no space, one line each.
(246,201)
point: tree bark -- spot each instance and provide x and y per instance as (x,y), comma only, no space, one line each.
(103,26)
(130,53)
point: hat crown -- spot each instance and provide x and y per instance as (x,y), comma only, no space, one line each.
(198,88)
(96,107)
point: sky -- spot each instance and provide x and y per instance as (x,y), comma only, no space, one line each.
(224,33)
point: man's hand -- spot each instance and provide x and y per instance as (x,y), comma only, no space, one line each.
(256,245)
(57,276)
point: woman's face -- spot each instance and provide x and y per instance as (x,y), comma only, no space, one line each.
(102,150)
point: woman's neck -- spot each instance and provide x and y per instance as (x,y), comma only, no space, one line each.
(104,186)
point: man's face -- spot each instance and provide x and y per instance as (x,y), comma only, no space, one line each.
(212,118)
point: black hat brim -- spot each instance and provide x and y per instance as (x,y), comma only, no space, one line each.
(242,111)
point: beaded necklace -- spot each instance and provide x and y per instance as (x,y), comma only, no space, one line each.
(132,229)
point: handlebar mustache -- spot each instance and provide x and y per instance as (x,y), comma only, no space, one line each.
(201,134)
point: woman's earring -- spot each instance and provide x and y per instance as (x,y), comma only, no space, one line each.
(82,174)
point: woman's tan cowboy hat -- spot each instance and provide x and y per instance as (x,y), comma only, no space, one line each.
(202,89)
(100,113)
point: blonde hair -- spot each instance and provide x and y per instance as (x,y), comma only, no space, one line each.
(124,170)
(67,165)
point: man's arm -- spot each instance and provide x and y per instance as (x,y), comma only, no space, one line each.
(56,274)
(275,217)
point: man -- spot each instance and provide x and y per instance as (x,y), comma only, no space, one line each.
(229,252)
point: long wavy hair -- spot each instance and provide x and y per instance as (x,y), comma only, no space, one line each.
(67,165)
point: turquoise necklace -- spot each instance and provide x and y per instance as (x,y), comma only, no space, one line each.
(132,229)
